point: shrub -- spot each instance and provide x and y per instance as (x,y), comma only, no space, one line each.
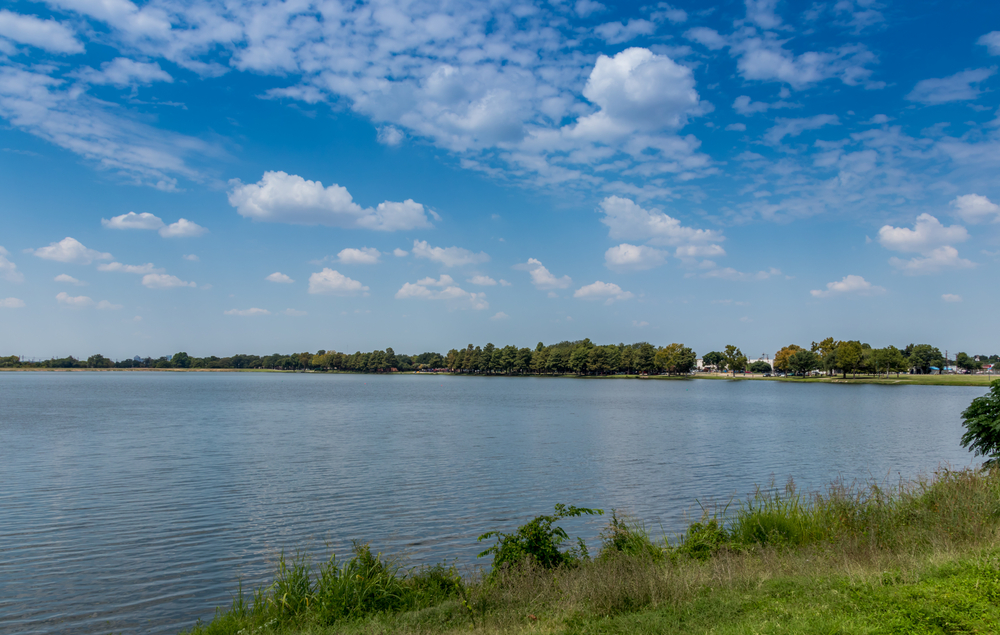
(627,536)
(538,541)
(982,424)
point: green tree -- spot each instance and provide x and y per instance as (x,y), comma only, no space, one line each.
(390,359)
(982,424)
(924,356)
(803,361)
(99,361)
(849,356)
(180,360)
(715,358)
(734,359)
(760,366)
(967,363)
(781,357)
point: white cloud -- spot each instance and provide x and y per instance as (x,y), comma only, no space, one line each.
(607,291)
(145,220)
(957,87)
(8,270)
(500,316)
(67,279)
(626,257)
(707,37)
(638,324)
(11,303)
(482,281)
(137,269)
(390,135)
(331,282)
(737,127)
(973,208)
(849,284)
(951,297)
(104,305)
(693,252)
(504,283)
(761,13)
(288,198)
(277,276)
(794,127)
(183,228)
(936,260)
(69,250)
(541,277)
(247,312)
(363,256)
(295,312)
(628,221)
(991,41)
(728,273)
(638,90)
(618,32)
(123,72)
(44,34)
(164,281)
(446,290)
(585,8)
(927,234)
(76,302)
(400,253)
(448,256)
(191,257)
(744,106)
(764,59)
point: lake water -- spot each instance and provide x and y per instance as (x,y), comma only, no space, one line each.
(132,502)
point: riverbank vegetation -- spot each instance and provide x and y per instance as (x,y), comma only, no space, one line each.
(581,357)
(917,557)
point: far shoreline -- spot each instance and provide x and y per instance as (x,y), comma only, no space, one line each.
(902,380)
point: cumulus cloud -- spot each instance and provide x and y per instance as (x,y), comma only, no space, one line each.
(638,90)
(77,302)
(709,38)
(331,282)
(951,297)
(761,13)
(744,106)
(164,281)
(448,256)
(851,284)
(137,269)
(444,288)
(69,250)
(190,257)
(500,316)
(928,233)
(183,228)
(104,305)
(294,312)
(626,257)
(728,273)
(67,279)
(123,72)
(958,87)
(49,35)
(247,312)
(8,270)
(482,281)
(144,220)
(628,221)
(737,127)
(277,276)
(585,8)
(973,208)
(390,135)
(934,261)
(607,291)
(400,253)
(11,303)
(541,277)
(363,256)
(765,59)
(618,32)
(288,198)
(694,252)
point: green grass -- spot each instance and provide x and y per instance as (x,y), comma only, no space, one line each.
(915,557)
(917,380)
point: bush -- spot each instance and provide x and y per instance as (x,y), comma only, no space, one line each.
(538,541)
(982,424)
(628,537)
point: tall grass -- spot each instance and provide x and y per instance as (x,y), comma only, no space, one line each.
(861,529)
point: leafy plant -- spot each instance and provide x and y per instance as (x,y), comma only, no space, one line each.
(538,541)
(627,536)
(982,423)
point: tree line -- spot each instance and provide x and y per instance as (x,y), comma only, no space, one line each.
(581,357)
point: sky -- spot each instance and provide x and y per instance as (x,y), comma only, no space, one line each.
(257,177)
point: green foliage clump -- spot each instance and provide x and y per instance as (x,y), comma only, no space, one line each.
(703,539)
(982,423)
(627,536)
(538,541)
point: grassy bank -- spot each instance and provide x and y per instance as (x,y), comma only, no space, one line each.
(918,558)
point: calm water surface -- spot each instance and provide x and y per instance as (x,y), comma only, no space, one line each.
(132,502)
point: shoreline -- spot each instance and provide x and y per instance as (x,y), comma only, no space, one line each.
(902,380)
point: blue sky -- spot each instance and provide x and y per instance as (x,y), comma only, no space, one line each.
(223,177)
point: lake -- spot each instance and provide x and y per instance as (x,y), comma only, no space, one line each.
(133,502)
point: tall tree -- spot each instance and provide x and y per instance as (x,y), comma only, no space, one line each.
(735,359)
